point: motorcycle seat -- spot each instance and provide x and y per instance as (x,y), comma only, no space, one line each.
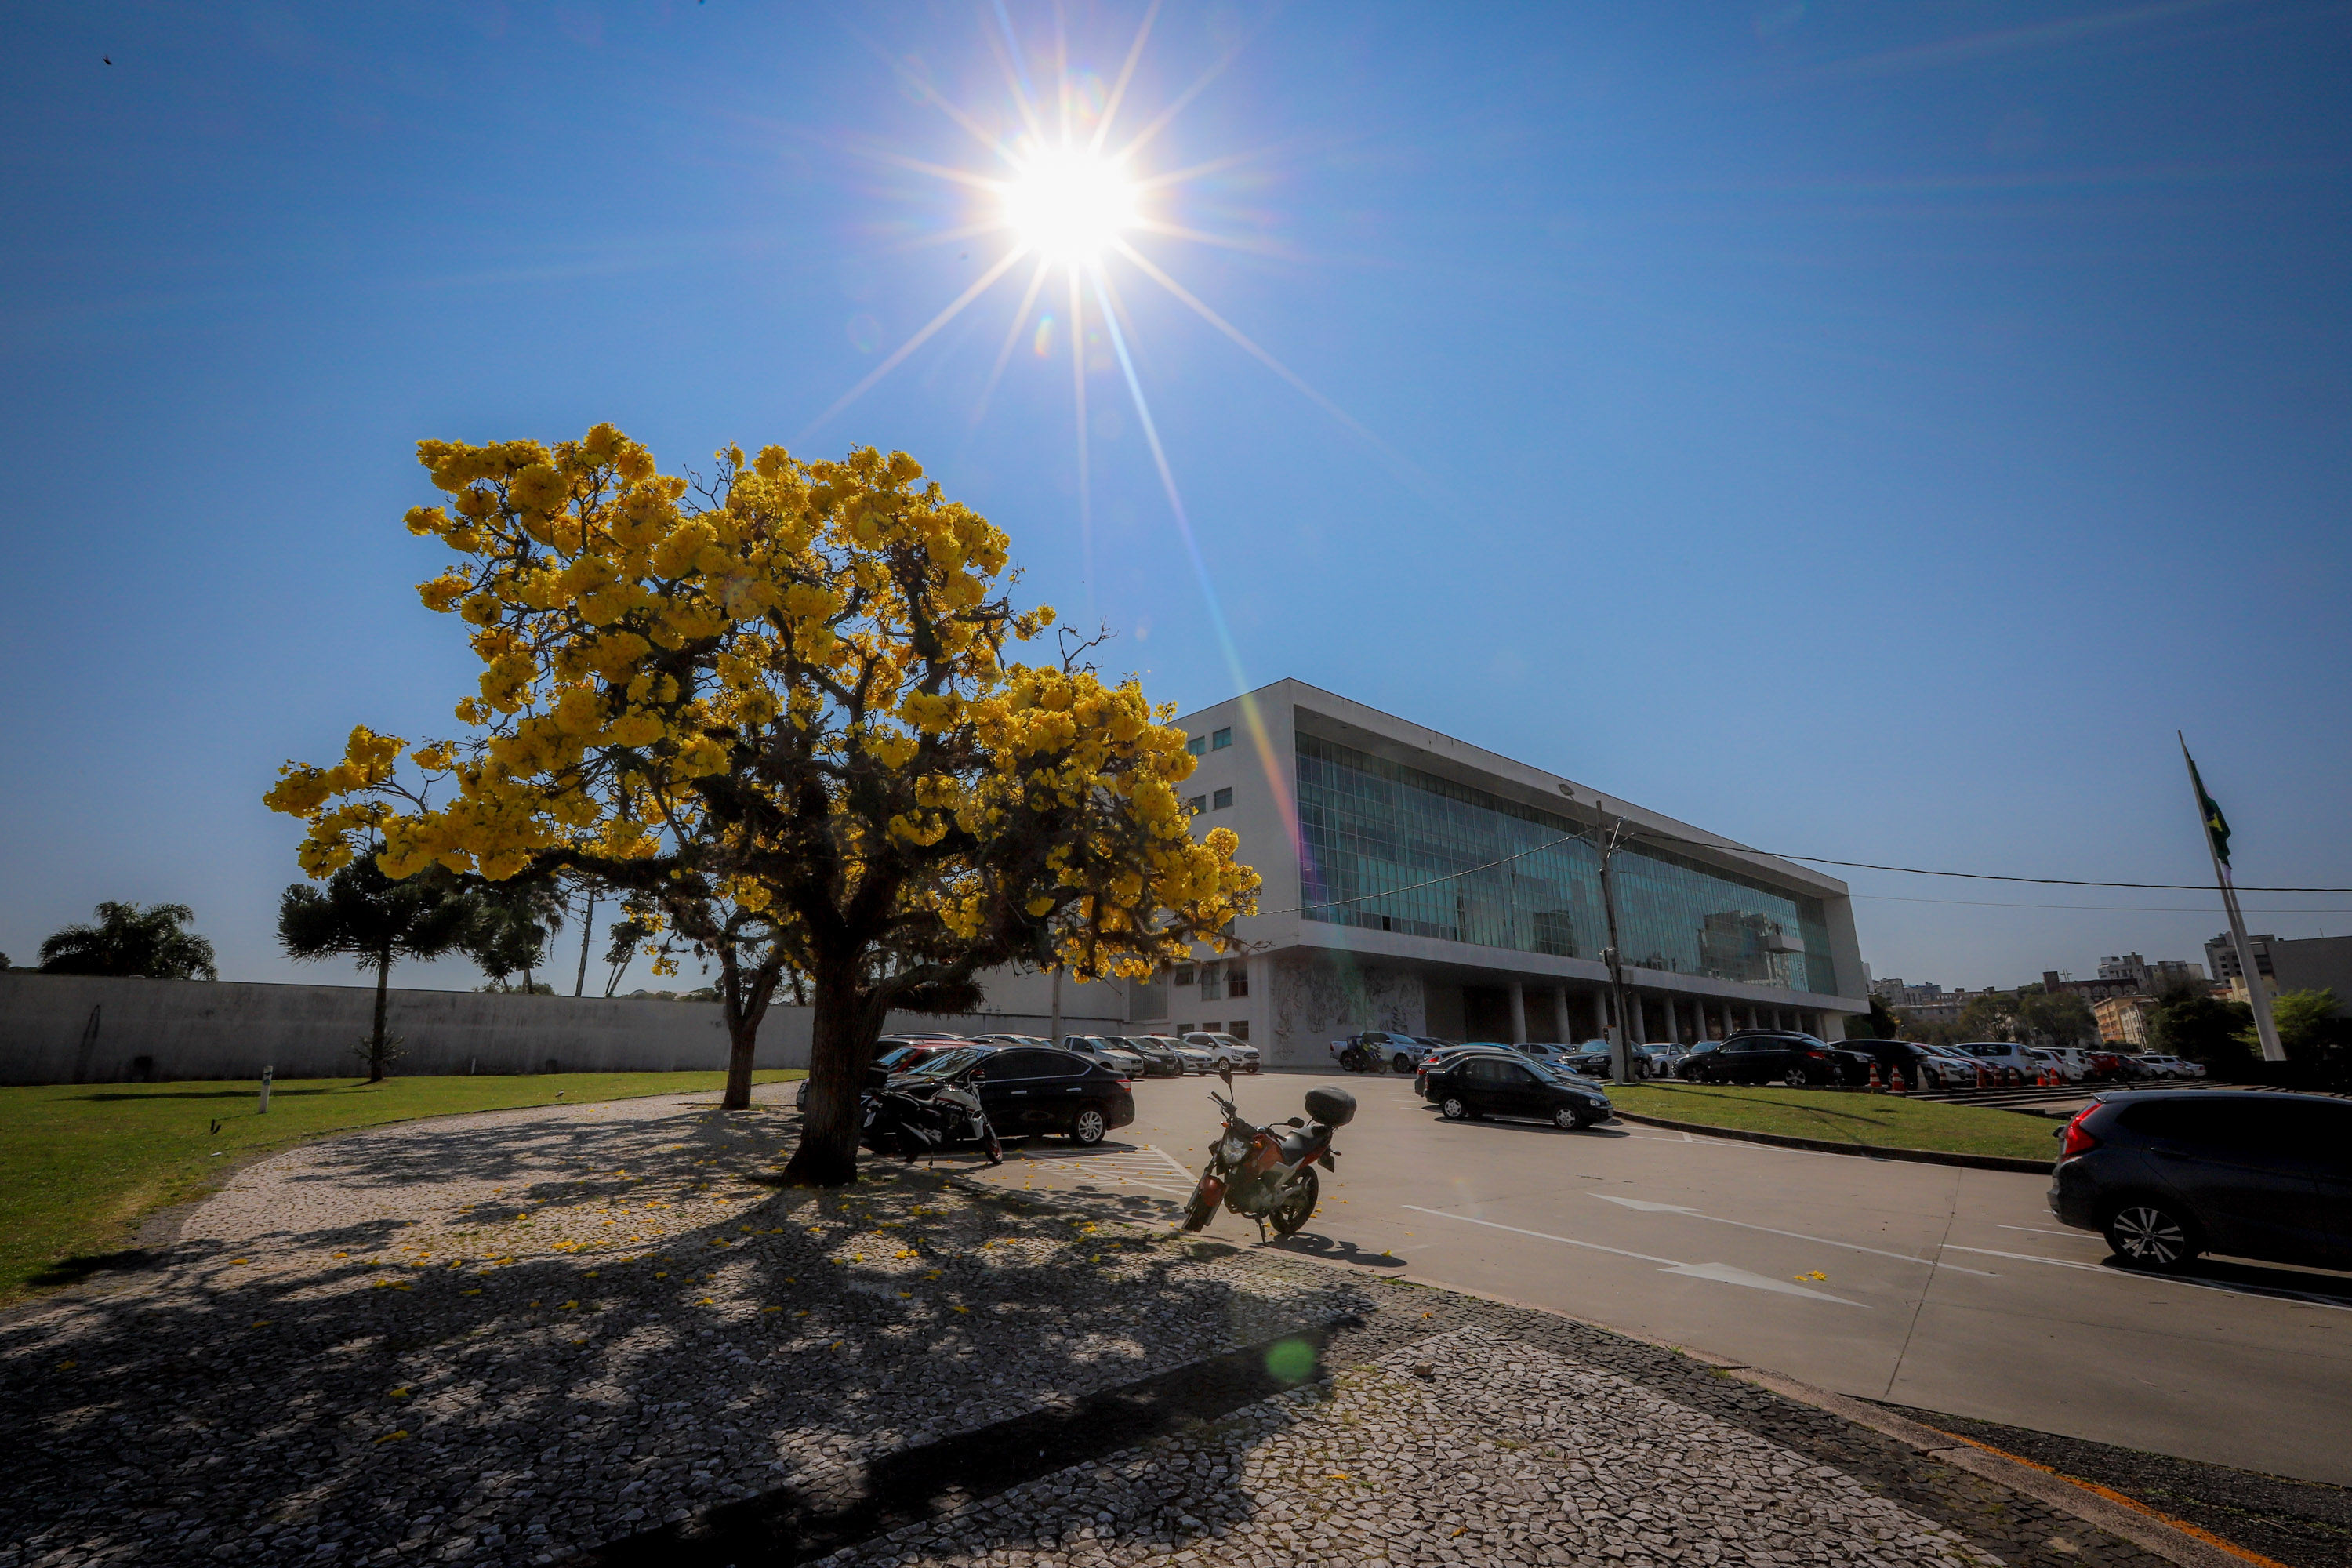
(1298,1141)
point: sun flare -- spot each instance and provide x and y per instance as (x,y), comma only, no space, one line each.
(1069,205)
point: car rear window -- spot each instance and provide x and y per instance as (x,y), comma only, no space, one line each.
(2246,1123)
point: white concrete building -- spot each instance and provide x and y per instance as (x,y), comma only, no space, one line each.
(1418,884)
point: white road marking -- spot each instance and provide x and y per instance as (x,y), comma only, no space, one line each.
(1130,1167)
(1648,1208)
(2137,1276)
(2069,1234)
(1722,1273)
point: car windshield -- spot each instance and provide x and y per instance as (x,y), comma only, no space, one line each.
(946,1064)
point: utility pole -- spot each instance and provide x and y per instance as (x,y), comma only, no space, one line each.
(2217,845)
(1608,833)
(1057,1004)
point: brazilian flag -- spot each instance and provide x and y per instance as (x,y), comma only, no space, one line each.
(2216,827)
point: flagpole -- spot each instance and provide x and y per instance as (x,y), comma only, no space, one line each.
(2265,1030)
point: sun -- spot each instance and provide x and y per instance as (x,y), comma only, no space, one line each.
(1069,205)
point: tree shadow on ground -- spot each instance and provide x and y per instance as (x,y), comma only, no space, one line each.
(350,1370)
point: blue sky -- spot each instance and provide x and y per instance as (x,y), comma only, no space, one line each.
(1866,430)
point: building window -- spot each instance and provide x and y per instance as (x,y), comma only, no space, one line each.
(1199,803)
(1183,975)
(1183,1030)
(1211,982)
(1238,1029)
(1221,799)
(1237,980)
(1221,740)
(1474,868)
(1212,1028)
(1198,745)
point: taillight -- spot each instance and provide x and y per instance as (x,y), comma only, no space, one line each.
(1121,1082)
(2077,1142)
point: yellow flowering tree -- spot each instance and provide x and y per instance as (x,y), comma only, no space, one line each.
(776,709)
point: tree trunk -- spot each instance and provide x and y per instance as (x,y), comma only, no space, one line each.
(587,929)
(376,1039)
(842,1035)
(743,1002)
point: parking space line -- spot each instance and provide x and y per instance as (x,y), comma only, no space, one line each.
(1645,1206)
(1722,1273)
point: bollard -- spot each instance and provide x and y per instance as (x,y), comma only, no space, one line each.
(265,1073)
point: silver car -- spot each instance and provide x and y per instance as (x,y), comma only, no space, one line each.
(1225,1051)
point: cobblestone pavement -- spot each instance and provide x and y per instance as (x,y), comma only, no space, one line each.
(507,1338)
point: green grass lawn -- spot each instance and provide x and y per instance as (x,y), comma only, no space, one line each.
(80,1164)
(1888,1121)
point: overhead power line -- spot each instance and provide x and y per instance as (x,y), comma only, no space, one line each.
(2045,881)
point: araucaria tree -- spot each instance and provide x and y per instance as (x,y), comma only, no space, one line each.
(364,915)
(777,707)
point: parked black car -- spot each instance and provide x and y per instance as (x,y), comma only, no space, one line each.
(1774,1055)
(1895,1058)
(1159,1057)
(892,1054)
(1029,1089)
(1503,1083)
(2167,1174)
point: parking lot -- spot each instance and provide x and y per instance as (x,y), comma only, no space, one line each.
(1929,1286)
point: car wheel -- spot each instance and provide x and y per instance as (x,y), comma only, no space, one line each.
(1401,1062)
(2152,1237)
(800,1096)
(1454,1109)
(1297,1205)
(1087,1128)
(1794,1079)
(1567,1120)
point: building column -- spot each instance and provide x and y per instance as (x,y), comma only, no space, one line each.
(1518,1013)
(1260,1006)
(1560,1017)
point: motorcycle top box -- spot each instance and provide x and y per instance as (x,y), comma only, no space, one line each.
(1332,1107)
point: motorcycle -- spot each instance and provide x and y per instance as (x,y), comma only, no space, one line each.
(1267,1174)
(1355,1055)
(896,1121)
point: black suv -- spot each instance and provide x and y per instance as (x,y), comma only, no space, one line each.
(1028,1089)
(2167,1174)
(1772,1055)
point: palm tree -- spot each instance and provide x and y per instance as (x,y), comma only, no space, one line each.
(127,939)
(512,922)
(363,914)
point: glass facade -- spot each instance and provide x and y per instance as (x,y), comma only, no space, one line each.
(1387,846)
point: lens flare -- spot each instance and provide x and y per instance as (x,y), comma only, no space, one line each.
(1069,204)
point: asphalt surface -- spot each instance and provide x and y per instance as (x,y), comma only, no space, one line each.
(1934,1288)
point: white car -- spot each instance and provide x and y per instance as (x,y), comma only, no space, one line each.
(2173,1066)
(1101,1049)
(1946,1068)
(1224,1052)
(2070,1066)
(2002,1058)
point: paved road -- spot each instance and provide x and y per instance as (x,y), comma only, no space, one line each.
(1942,1289)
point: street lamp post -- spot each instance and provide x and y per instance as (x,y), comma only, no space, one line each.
(1608,831)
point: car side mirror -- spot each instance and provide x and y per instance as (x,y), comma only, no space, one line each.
(1296,1122)
(1225,1071)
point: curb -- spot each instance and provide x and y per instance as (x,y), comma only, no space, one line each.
(1866,1151)
(2169,1538)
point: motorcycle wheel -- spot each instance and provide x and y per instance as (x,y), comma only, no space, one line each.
(994,1149)
(1296,1207)
(1200,1210)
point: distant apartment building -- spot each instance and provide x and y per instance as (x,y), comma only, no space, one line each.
(2124,1019)
(2149,978)
(1898,993)
(2091,990)
(2222,958)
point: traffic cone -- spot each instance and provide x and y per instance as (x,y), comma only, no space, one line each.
(1984,1080)
(1896,1082)
(1876,1087)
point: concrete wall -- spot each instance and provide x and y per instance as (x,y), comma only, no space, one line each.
(60,1028)
(2315,963)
